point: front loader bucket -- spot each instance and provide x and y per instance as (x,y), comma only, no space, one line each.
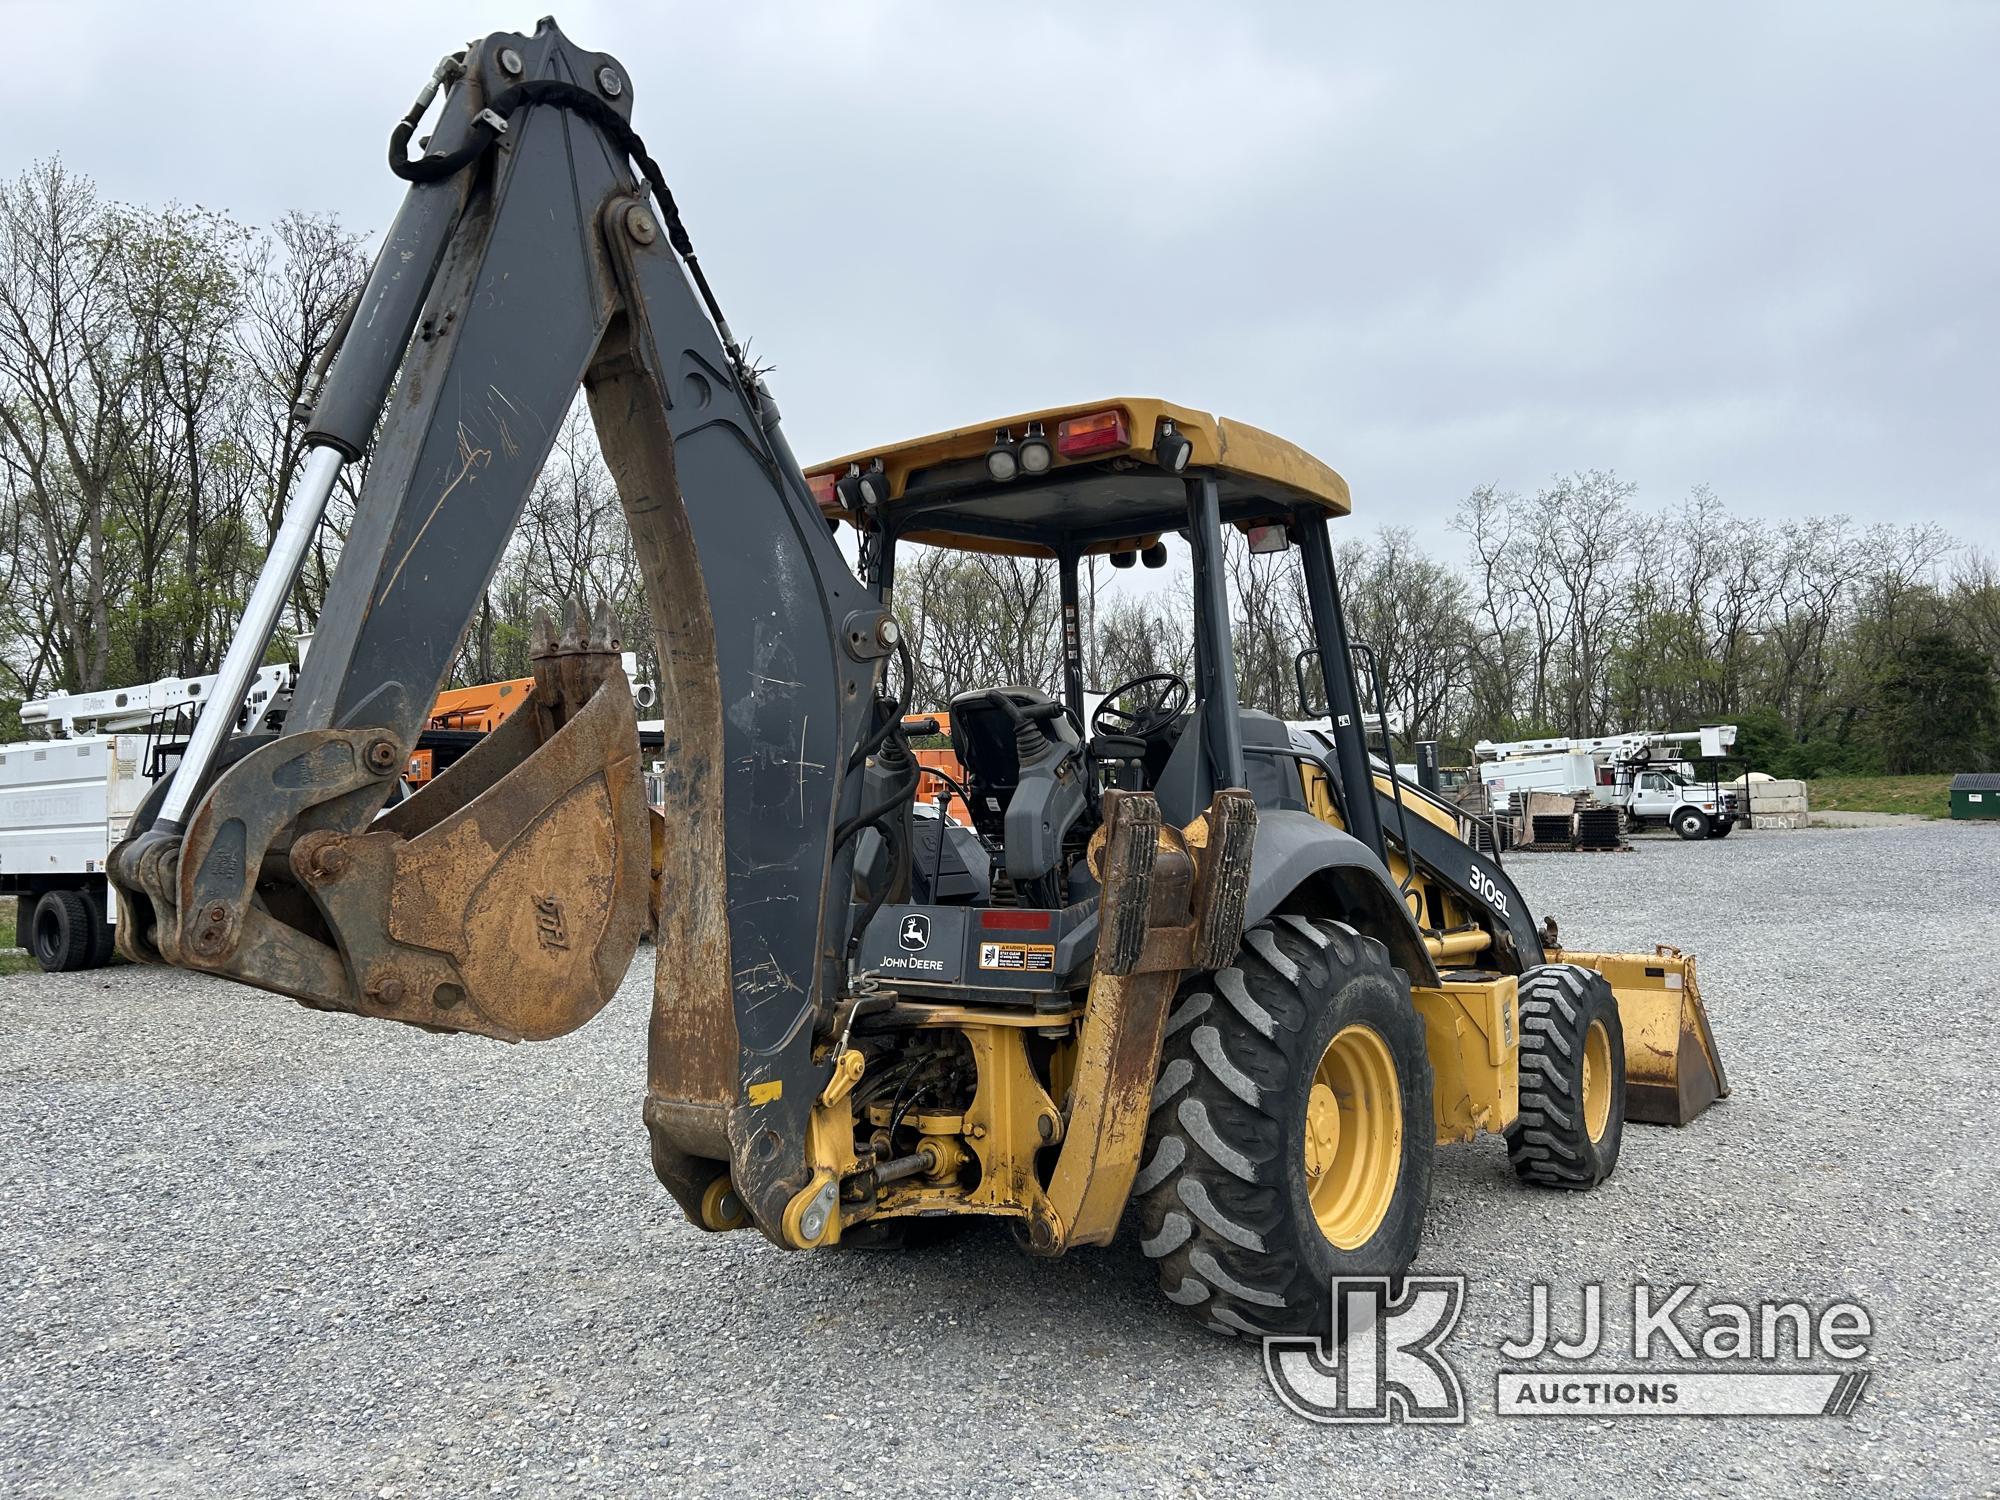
(1672,1069)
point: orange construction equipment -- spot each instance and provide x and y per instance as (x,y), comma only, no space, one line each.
(479,709)
(944,759)
(483,706)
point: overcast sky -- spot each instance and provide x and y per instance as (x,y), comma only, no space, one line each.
(1746,245)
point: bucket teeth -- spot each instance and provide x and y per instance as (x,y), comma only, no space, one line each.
(569,667)
(588,631)
(604,628)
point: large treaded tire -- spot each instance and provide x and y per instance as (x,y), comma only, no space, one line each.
(1549,1142)
(60,936)
(1223,1194)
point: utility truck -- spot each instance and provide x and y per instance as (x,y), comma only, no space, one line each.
(65,800)
(1644,774)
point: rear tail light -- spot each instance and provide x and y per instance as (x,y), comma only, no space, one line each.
(1005,919)
(1100,432)
(821,486)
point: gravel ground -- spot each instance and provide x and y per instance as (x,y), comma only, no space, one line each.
(252,1249)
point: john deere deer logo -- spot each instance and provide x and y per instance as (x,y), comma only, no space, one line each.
(550,929)
(916,933)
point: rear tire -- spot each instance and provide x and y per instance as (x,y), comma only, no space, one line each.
(1292,1130)
(1691,824)
(1572,1064)
(60,932)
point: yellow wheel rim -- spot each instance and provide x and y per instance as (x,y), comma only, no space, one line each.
(1596,1080)
(1353,1136)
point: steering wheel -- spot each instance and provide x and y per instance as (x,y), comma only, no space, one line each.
(1164,699)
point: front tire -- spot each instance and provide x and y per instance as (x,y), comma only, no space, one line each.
(1292,1130)
(1691,823)
(1572,1067)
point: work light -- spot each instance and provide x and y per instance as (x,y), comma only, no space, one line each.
(1036,455)
(848,488)
(1271,538)
(1003,460)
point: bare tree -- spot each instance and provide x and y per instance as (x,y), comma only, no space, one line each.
(182,471)
(297,283)
(152,363)
(977,619)
(1413,614)
(1138,637)
(1499,633)
(65,370)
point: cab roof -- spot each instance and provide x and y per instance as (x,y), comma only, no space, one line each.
(1107,487)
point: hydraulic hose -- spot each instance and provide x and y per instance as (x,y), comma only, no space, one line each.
(891,725)
(491,123)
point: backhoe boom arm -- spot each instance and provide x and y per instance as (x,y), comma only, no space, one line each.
(506,897)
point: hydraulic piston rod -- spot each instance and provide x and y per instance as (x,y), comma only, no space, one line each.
(253,633)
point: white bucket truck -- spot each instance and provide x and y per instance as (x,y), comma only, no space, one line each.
(1646,773)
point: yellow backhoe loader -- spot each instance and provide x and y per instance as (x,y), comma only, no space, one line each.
(1175,961)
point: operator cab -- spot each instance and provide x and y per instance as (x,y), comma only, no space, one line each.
(1005,890)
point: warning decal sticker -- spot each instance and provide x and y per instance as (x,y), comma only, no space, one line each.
(1021,958)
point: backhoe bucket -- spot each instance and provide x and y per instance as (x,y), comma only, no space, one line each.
(1672,1070)
(505,898)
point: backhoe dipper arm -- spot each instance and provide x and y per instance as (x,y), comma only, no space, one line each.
(507,896)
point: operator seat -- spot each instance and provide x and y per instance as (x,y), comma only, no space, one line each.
(1184,785)
(983,738)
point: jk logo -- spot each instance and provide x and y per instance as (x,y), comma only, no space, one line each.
(1380,1361)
